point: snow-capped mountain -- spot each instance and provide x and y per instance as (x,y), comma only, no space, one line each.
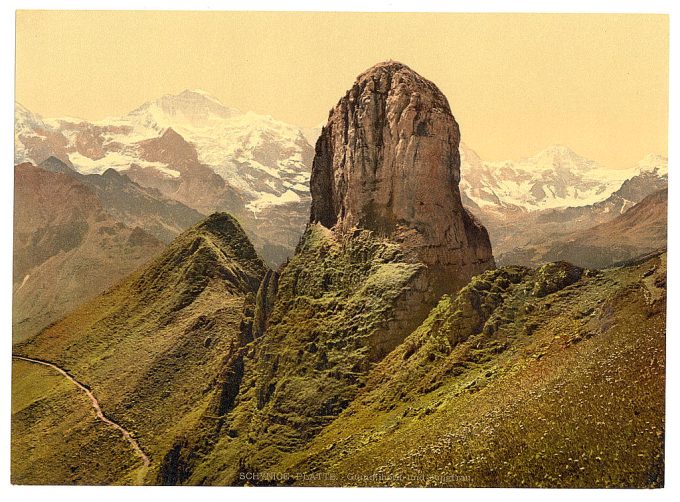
(269,161)
(35,139)
(556,177)
(192,108)
(25,123)
(194,149)
(529,203)
(653,163)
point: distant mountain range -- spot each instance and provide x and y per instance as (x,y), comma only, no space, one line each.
(639,230)
(554,178)
(554,195)
(193,149)
(175,159)
(267,162)
(266,159)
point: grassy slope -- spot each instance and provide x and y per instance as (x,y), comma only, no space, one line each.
(334,304)
(50,415)
(561,390)
(152,347)
(551,377)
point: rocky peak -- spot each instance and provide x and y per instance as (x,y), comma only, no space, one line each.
(561,157)
(169,148)
(216,248)
(55,165)
(226,230)
(190,107)
(172,136)
(112,173)
(388,161)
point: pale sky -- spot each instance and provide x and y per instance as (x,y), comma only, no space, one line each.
(516,82)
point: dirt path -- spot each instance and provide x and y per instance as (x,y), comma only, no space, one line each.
(97,408)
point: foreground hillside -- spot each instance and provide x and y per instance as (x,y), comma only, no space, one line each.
(151,348)
(505,385)
(552,377)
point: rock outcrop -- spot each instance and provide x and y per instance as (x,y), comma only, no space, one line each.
(388,235)
(388,161)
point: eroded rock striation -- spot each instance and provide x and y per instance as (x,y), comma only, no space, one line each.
(388,161)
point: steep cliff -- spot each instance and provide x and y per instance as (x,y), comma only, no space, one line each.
(388,161)
(387,236)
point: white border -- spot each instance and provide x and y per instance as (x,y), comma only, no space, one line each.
(168,494)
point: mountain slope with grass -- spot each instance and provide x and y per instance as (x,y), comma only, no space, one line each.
(337,307)
(151,347)
(552,378)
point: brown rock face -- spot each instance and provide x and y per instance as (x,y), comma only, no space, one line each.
(388,161)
